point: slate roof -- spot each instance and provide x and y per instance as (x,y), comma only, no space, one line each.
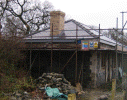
(84,32)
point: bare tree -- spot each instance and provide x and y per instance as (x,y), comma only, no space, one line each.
(115,35)
(13,27)
(33,15)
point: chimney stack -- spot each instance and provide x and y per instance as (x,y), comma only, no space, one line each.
(57,20)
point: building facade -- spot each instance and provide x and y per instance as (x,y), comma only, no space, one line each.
(74,49)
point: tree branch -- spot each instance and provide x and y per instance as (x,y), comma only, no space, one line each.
(35,17)
(4,8)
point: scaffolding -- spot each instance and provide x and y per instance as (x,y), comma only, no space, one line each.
(57,43)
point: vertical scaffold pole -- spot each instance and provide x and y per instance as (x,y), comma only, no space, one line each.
(76,55)
(51,48)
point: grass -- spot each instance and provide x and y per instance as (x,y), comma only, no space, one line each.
(11,84)
(108,86)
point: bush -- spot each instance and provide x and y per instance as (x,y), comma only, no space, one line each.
(106,86)
(10,84)
(13,76)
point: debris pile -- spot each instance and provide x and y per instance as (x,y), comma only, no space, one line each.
(55,80)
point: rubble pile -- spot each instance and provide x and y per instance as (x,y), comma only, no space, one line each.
(55,80)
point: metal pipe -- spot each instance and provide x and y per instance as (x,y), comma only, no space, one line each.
(59,55)
(33,32)
(30,60)
(116,47)
(113,65)
(31,55)
(82,68)
(51,48)
(123,25)
(68,36)
(99,51)
(39,64)
(0,29)
(99,36)
(76,54)
(108,66)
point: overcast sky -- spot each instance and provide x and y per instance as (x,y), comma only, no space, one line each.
(93,12)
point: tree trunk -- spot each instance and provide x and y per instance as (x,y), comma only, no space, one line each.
(26,24)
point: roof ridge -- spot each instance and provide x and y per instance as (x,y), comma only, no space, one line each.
(85,29)
(80,25)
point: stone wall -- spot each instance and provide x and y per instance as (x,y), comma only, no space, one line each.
(101,74)
(93,60)
(93,66)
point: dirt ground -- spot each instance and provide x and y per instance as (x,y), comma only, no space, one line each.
(95,94)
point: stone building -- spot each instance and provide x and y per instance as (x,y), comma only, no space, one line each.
(82,54)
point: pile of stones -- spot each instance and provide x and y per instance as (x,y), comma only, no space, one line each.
(55,80)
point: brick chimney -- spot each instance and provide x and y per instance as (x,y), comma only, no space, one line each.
(57,20)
